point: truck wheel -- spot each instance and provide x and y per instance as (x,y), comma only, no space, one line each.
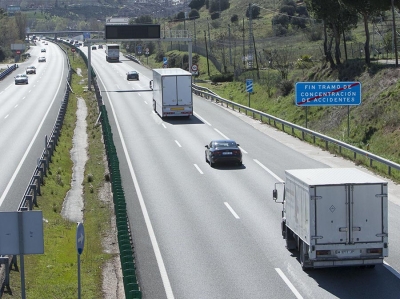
(303,251)
(290,240)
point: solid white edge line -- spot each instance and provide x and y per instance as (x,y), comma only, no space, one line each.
(269,171)
(219,132)
(288,283)
(231,210)
(3,196)
(156,248)
(163,125)
(198,168)
(177,142)
(202,119)
(391,269)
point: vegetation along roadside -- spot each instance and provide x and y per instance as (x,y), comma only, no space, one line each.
(58,264)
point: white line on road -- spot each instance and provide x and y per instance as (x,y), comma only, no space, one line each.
(156,248)
(23,98)
(202,119)
(268,170)
(145,102)
(231,210)
(198,168)
(6,116)
(220,133)
(243,151)
(177,142)
(391,269)
(164,125)
(289,284)
(16,106)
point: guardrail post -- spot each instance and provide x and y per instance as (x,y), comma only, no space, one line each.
(389,170)
(326,145)
(29,200)
(43,166)
(313,138)
(302,135)
(4,260)
(355,155)
(37,182)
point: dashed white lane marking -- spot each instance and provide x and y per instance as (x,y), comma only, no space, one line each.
(231,210)
(288,283)
(177,142)
(198,168)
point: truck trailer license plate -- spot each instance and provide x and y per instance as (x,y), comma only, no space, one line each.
(177,109)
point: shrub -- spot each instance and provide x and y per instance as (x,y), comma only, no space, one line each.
(222,78)
(285,87)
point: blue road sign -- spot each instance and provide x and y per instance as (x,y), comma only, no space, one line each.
(86,35)
(165,60)
(328,93)
(139,49)
(249,85)
(80,237)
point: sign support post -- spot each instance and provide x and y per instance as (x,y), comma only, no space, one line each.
(80,243)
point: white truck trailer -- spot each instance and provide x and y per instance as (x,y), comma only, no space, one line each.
(172,92)
(334,216)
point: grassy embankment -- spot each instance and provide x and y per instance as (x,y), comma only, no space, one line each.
(54,273)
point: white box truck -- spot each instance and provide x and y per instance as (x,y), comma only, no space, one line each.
(172,92)
(334,216)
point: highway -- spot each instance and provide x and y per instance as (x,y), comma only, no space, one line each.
(202,232)
(27,115)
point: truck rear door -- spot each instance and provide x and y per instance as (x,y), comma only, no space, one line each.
(331,214)
(367,216)
(169,89)
(349,214)
(184,84)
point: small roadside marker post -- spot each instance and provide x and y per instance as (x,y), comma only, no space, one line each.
(80,243)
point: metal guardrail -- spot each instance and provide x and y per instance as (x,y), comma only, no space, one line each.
(8,71)
(275,121)
(133,58)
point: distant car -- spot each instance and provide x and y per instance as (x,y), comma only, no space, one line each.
(43,50)
(222,151)
(94,48)
(21,79)
(100,46)
(30,70)
(132,75)
(42,59)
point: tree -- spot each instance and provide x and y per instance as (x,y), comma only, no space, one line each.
(282,20)
(194,14)
(234,18)
(218,5)
(180,16)
(255,12)
(197,4)
(21,21)
(367,8)
(337,18)
(145,19)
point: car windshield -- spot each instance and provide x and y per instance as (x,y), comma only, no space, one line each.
(224,144)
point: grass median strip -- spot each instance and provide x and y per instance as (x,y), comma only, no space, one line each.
(54,273)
